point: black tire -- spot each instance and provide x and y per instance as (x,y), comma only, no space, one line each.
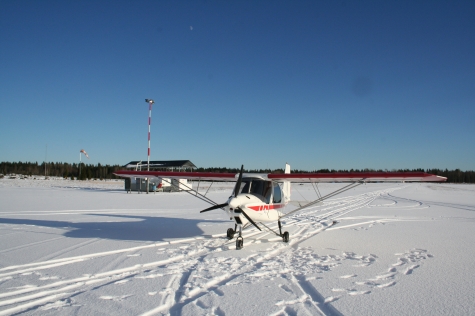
(239,243)
(285,237)
(230,233)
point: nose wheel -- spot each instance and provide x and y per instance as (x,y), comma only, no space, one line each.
(239,239)
(239,243)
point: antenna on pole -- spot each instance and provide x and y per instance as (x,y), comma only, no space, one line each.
(82,151)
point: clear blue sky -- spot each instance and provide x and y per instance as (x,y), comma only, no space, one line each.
(317,84)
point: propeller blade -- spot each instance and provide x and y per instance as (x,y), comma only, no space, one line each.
(238,183)
(239,210)
(214,207)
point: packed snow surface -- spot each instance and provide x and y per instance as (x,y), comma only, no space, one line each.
(88,247)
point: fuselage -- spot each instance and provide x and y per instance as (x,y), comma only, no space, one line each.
(261,200)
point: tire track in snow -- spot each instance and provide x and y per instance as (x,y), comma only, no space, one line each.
(168,296)
(116,272)
(70,248)
(107,276)
(66,285)
(31,244)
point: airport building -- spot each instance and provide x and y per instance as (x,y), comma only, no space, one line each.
(159,184)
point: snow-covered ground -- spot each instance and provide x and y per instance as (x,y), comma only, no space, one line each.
(77,247)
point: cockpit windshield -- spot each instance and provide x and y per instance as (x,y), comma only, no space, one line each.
(260,188)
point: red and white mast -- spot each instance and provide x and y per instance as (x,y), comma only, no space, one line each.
(150,102)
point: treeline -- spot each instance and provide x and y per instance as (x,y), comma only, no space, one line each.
(453,176)
(88,171)
(60,169)
(236,170)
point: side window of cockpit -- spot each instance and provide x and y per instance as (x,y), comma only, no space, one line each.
(267,191)
(245,186)
(277,194)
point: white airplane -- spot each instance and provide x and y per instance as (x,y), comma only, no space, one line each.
(261,197)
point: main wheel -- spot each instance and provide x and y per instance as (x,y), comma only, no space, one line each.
(230,233)
(239,243)
(285,237)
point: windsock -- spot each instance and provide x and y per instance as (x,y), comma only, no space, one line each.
(84,152)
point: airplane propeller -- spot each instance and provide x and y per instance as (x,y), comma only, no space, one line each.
(238,183)
(239,210)
(214,207)
(236,192)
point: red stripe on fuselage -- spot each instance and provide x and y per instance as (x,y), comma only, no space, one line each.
(266,207)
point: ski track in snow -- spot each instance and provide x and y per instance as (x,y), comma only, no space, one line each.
(193,270)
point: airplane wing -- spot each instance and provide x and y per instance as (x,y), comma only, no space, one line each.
(355,179)
(210,176)
(357,176)
(292,177)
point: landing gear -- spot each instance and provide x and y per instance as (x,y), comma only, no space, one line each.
(239,239)
(239,243)
(230,233)
(285,236)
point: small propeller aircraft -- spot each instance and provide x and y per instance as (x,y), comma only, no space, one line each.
(261,197)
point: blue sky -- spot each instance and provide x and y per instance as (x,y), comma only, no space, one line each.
(317,84)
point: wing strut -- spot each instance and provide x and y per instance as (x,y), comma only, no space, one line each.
(193,192)
(198,188)
(315,187)
(345,188)
(270,229)
(209,187)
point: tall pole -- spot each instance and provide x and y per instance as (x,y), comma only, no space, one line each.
(82,151)
(150,102)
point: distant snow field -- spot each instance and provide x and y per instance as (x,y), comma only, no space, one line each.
(88,247)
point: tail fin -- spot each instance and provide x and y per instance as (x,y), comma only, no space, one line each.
(286,185)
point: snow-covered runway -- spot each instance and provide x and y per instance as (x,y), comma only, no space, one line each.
(73,247)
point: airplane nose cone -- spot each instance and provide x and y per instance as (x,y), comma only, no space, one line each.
(233,203)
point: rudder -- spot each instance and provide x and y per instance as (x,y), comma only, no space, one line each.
(286,185)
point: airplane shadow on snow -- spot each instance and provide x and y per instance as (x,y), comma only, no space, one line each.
(101,190)
(141,228)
